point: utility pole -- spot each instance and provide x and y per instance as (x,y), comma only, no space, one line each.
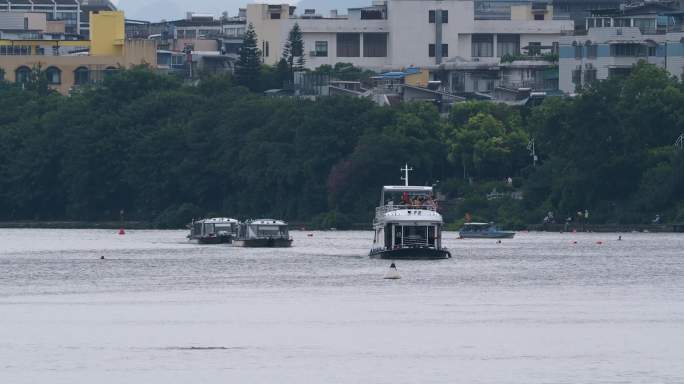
(406,170)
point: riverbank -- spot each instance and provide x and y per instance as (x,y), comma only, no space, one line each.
(132,225)
(615,228)
(606,228)
(77,224)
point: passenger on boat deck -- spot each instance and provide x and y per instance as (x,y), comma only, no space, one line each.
(405,199)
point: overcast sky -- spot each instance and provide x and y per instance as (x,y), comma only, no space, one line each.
(155,10)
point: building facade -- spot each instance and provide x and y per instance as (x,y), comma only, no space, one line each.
(396,34)
(66,11)
(68,64)
(618,39)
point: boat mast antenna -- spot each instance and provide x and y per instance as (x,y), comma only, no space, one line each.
(406,170)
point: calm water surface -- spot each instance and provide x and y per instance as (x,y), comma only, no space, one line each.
(535,309)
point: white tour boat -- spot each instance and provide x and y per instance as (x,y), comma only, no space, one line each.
(410,227)
(213,231)
(263,233)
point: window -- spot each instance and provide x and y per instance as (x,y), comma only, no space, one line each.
(619,72)
(445,50)
(590,75)
(2,75)
(539,16)
(23,75)
(275,16)
(577,76)
(482,45)
(507,45)
(534,48)
(321,49)
(374,45)
(645,25)
(627,50)
(371,14)
(432,16)
(264,48)
(578,52)
(651,51)
(592,50)
(190,34)
(81,76)
(348,45)
(54,75)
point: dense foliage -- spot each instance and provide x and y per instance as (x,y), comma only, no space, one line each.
(167,152)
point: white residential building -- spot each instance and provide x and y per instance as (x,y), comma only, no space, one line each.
(617,39)
(396,34)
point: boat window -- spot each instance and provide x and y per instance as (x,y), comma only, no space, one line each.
(271,231)
(209,228)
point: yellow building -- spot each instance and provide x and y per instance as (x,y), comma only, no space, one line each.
(70,64)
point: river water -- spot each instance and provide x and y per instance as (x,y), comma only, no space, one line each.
(541,308)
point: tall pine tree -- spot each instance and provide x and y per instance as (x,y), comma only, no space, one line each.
(293,51)
(248,66)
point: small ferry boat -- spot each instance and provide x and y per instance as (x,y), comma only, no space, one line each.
(213,231)
(263,233)
(483,231)
(407,225)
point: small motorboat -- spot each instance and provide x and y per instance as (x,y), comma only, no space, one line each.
(483,231)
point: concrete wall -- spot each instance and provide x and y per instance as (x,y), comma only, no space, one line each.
(410,31)
(271,31)
(107,33)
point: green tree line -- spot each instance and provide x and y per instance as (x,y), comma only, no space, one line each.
(167,152)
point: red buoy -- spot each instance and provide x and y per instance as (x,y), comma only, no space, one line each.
(599,242)
(121,231)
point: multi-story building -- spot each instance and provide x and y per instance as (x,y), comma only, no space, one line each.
(88,6)
(402,33)
(68,11)
(30,26)
(69,64)
(467,53)
(619,38)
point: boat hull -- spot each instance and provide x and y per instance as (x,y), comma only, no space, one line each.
(212,239)
(411,254)
(493,235)
(263,243)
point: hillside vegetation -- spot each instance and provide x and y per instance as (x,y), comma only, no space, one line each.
(168,152)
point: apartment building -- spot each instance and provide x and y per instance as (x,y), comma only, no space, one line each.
(467,51)
(619,38)
(403,33)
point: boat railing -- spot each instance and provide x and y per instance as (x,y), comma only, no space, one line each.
(417,241)
(382,210)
